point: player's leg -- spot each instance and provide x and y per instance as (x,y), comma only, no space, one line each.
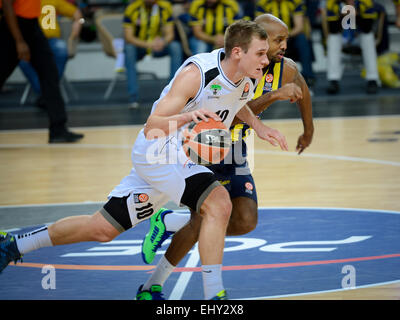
(215,210)
(65,231)
(82,228)
(243,219)
(102,226)
(244,216)
(202,193)
(182,242)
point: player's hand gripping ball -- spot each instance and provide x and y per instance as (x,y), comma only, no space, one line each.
(206,143)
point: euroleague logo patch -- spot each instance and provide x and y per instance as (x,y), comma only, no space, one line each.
(249,187)
(140,197)
(269,77)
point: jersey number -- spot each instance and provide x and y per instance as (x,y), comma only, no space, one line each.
(223,114)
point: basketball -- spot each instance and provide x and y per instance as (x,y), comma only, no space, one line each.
(206,143)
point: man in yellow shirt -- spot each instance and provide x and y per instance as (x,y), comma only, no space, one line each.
(148,29)
(60,48)
(292,13)
(366,14)
(209,20)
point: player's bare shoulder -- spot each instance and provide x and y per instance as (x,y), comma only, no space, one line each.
(188,80)
(290,70)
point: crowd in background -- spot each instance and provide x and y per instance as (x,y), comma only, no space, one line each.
(180,28)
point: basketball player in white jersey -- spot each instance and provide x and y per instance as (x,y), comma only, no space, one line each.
(220,82)
(281,81)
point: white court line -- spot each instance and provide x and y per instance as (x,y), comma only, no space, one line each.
(61,204)
(96,128)
(329,157)
(184,278)
(133,126)
(258,151)
(322,292)
(63,146)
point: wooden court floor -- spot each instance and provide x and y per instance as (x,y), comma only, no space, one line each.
(353,162)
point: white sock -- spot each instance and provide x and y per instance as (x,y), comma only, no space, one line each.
(212,280)
(368,50)
(334,55)
(160,275)
(174,221)
(33,240)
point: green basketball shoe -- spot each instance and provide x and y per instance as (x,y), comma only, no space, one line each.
(153,294)
(156,235)
(220,296)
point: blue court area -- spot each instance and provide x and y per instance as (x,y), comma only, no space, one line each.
(292,251)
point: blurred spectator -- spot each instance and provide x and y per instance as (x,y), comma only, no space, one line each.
(209,19)
(366,14)
(247,9)
(21,38)
(293,13)
(61,49)
(148,29)
(397,4)
(387,61)
(180,12)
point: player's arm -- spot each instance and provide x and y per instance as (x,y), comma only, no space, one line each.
(273,136)
(167,116)
(305,106)
(289,91)
(12,23)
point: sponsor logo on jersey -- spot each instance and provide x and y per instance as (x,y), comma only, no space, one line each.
(215,88)
(140,197)
(269,78)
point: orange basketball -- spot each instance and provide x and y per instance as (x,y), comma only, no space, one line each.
(206,143)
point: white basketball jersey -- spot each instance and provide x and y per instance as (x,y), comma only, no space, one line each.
(217,93)
(160,165)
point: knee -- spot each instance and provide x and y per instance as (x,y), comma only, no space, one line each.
(217,206)
(100,229)
(242,223)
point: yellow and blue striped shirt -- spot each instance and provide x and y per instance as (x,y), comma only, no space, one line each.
(215,20)
(146,22)
(366,9)
(284,9)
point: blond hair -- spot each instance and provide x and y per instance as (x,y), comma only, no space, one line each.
(241,33)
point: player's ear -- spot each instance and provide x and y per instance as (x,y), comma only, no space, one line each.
(236,52)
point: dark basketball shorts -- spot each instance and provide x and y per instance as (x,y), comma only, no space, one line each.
(236,179)
(126,212)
